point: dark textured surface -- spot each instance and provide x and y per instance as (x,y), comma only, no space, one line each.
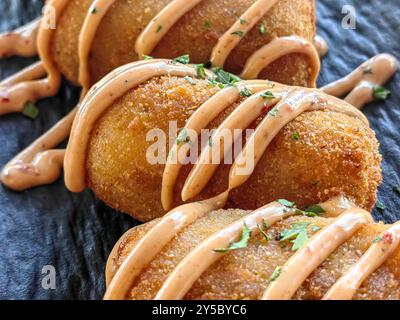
(75,233)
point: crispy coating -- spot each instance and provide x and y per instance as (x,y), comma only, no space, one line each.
(114,44)
(245,273)
(334,154)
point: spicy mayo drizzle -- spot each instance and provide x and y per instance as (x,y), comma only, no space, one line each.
(21,42)
(293,273)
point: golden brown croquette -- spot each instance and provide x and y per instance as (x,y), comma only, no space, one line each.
(246,273)
(114,44)
(318,155)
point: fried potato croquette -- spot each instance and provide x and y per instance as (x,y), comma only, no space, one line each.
(196,33)
(246,273)
(316,156)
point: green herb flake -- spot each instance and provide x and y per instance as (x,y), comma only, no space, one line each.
(300,240)
(207,25)
(381,206)
(159,29)
(268,95)
(262,29)
(200,71)
(224,77)
(241,244)
(275,275)
(286,203)
(146,57)
(185,59)
(238,33)
(94,10)
(243,21)
(210,142)
(297,235)
(262,228)
(190,80)
(296,136)
(274,112)
(377,239)
(245,92)
(315,228)
(380,93)
(315,208)
(182,137)
(30,111)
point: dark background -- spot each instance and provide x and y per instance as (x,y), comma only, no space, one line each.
(75,233)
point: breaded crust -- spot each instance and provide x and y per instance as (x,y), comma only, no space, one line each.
(245,273)
(114,44)
(334,154)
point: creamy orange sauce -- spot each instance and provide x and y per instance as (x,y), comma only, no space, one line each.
(376,255)
(321,46)
(21,42)
(23,87)
(292,274)
(362,81)
(297,269)
(278,48)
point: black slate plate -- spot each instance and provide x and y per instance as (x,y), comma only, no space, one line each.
(75,233)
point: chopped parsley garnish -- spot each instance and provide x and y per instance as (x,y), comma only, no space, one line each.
(159,29)
(380,93)
(315,228)
(94,10)
(377,239)
(396,189)
(182,137)
(225,77)
(145,57)
(262,228)
(241,244)
(185,59)
(275,275)
(190,80)
(286,203)
(200,70)
(262,29)
(274,112)
(243,21)
(245,92)
(207,25)
(297,235)
(238,33)
(367,70)
(267,95)
(314,209)
(296,136)
(30,111)
(380,206)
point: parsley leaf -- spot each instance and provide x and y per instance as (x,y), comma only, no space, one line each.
(296,136)
(275,275)
(380,206)
(262,29)
(245,92)
(297,235)
(185,59)
(267,95)
(238,33)
(315,208)
(207,25)
(241,244)
(380,93)
(30,111)
(190,80)
(286,203)
(200,71)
